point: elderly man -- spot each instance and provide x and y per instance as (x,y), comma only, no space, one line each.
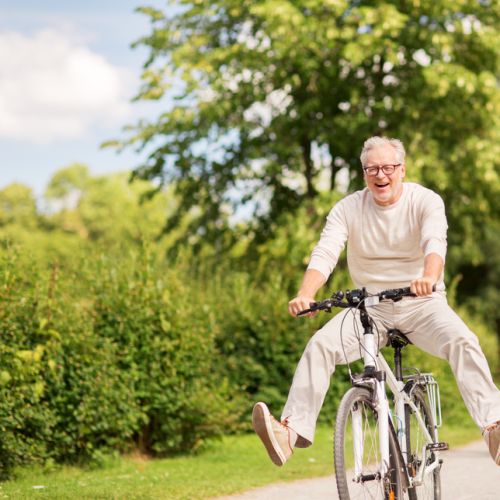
(396,235)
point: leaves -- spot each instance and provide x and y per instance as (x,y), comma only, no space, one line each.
(252,90)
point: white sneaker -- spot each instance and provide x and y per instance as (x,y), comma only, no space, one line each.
(274,435)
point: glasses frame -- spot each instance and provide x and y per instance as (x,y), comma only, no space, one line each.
(391,166)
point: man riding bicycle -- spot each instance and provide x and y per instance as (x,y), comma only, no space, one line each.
(396,235)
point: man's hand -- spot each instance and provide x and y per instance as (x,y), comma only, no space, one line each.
(422,286)
(300,303)
(433,268)
(312,282)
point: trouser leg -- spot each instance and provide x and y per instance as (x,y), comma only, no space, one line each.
(438,330)
(327,348)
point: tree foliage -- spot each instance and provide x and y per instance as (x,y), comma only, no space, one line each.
(105,208)
(17,206)
(82,211)
(265,102)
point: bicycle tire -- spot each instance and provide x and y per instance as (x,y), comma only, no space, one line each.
(344,454)
(431,487)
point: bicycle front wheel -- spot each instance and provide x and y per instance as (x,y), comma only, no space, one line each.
(430,487)
(356,429)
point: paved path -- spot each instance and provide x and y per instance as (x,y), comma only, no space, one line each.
(468,473)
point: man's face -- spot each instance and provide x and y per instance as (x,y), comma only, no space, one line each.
(385,188)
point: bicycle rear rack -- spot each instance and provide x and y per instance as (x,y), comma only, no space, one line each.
(431,386)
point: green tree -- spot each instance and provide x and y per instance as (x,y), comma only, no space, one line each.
(20,221)
(267,101)
(105,209)
(68,182)
(83,211)
(17,206)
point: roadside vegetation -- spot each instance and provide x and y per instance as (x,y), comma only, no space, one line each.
(110,345)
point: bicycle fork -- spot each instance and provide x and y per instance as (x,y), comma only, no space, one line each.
(381,406)
(383,426)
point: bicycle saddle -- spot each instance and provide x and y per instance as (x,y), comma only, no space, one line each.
(397,338)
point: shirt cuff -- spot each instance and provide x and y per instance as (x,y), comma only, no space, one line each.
(437,247)
(321,267)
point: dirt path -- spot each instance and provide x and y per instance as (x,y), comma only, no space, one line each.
(468,473)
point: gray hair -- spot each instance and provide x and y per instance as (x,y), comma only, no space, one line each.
(377,141)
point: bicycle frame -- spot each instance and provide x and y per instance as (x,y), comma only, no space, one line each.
(401,398)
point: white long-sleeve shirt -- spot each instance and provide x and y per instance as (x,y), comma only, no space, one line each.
(386,245)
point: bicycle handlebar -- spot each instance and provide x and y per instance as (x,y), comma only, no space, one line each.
(354,298)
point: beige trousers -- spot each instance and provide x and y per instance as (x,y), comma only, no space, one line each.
(429,323)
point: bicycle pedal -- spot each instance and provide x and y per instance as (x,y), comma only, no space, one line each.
(438,446)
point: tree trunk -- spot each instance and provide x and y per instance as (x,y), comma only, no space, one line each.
(309,167)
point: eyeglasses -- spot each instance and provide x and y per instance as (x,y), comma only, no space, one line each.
(387,169)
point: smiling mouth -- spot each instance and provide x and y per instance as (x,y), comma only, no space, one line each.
(382,185)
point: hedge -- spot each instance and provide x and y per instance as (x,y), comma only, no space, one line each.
(110,356)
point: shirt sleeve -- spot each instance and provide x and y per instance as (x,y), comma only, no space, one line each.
(434,226)
(326,253)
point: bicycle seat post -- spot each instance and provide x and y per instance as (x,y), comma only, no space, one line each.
(397,341)
(398,369)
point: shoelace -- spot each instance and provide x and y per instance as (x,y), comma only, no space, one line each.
(284,424)
(490,428)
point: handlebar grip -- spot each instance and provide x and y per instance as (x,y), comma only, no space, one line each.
(407,290)
(401,292)
(314,307)
(305,311)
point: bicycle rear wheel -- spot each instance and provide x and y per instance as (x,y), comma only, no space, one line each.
(430,489)
(357,404)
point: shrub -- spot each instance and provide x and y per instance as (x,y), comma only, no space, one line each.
(26,418)
(108,356)
(165,341)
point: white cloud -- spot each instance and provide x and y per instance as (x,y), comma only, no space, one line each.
(52,88)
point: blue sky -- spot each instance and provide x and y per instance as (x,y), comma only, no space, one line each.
(67,76)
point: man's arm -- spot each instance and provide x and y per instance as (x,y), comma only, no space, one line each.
(433,243)
(323,260)
(433,267)
(313,280)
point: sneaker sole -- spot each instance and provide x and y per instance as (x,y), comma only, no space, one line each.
(495,456)
(261,421)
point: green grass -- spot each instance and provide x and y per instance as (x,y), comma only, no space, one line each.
(236,463)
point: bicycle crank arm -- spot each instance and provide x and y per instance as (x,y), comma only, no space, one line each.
(367,477)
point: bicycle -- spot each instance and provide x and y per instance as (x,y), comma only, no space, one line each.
(379,452)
